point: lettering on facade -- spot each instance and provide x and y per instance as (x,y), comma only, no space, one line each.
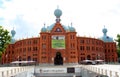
(53,71)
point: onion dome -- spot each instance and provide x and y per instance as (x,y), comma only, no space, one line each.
(57,13)
(65,27)
(72,29)
(106,38)
(13,32)
(49,28)
(104,30)
(44,29)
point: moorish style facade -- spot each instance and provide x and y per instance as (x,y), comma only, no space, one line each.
(59,44)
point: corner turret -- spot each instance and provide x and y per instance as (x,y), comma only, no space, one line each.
(106,38)
(44,29)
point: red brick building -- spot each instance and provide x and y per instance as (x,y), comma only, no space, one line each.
(59,44)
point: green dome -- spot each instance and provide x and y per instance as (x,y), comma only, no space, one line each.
(13,32)
(57,13)
(49,28)
(106,38)
(43,29)
(72,29)
(104,30)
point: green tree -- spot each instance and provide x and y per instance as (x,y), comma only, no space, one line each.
(118,44)
(4,40)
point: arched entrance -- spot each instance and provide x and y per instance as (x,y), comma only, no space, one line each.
(58,60)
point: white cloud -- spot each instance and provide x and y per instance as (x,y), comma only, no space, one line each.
(88,16)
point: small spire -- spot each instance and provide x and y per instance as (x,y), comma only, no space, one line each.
(104,30)
(58,13)
(57,6)
(104,26)
(44,25)
(71,24)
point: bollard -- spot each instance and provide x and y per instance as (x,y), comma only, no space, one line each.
(110,73)
(102,71)
(2,74)
(105,72)
(14,71)
(116,74)
(11,72)
(22,68)
(98,70)
(7,73)
(95,69)
(91,68)
(17,70)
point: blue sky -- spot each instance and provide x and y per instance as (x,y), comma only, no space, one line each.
(88,16)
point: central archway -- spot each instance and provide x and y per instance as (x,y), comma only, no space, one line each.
(58,60)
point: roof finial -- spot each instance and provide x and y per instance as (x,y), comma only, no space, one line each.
(104,30)
(57,6)
(44,24)
(58,12)
(71,24)
(104,26)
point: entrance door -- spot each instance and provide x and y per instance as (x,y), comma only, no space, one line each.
(58,60)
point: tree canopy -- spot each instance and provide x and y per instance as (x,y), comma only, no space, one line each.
(118,44)
(4,39)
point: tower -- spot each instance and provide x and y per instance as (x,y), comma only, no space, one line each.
(13,34)
(58,43)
